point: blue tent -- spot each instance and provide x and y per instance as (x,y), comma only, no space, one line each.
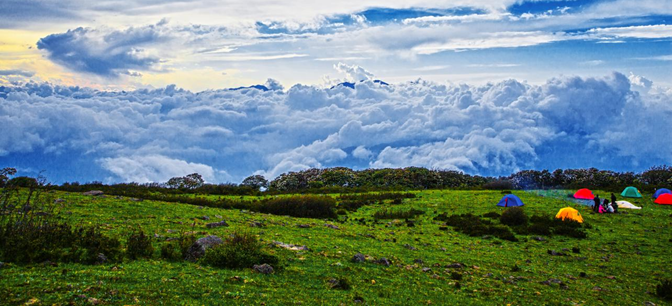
(510,200)
(660,192)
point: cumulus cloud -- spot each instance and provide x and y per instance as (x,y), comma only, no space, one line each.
(353,72)
(492,129)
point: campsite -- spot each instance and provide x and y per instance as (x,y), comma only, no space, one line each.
(410,247)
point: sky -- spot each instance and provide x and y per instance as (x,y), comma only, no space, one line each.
(146,90)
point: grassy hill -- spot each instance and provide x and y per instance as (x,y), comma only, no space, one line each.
(620,262)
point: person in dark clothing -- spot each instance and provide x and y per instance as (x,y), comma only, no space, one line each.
(607,207)
(613,203)
(596,207)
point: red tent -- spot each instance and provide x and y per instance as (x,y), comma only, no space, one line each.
(664,199)
(584,194)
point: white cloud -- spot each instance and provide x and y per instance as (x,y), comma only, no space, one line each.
(154,168)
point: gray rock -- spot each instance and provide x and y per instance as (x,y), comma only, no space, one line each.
(426,269)
(197,250)
(263,269)
(205,218)
(384,261)
(554,253)
(552,281)
(649,304)
(256,224)
(410,247)
(455,265)
(290,246)
(93,193)
(217,224)
(101,258)
(419,261)
(540,239)
(359,257)
(303,226)
(331,226)
(59,200)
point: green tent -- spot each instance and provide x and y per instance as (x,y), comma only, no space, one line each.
(631,192)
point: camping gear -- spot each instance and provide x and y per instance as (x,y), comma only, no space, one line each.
(510,200)
(622,204)
(631,192)
(570,214)
(661,192)
(664,199)
(584,194)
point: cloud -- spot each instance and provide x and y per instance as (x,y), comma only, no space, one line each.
(16,72)
(353,72)
(491,129)
(648,31)
(153,168)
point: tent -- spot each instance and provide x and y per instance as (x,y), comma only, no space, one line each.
(622,204)
(664,199)
(569,213)
(660,192)
(584,194)
(631,192)
(510,200)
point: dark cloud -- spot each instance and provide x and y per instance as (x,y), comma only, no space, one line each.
(16,72)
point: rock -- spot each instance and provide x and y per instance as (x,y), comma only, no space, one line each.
(554,253)
(59,200)
(217,224)
(384,261)
(359,257)
(418,261)
(649,304)
(540,239)
(94,301)
(552,281)
(256,224)
(263,269)
(290,246)
(488,275)
(410,247)
(93,193)
(218,216)
(331,226)
(486,237)
(197,250)
(205,218)
(583,274)
(426,269)
(101,258)
(611,277)
(455,265)
(303,226)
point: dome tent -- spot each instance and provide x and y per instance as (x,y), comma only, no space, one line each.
(631,192)
(661,192)
(584,194)
(510,200)
(664,199)
(569,213)
(622,204)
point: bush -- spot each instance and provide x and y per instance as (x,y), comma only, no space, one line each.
(664,289)
(239,250)
(171,251)
(301,206)
(513,217)
(139,245)
(499,185)
(396,214)
(492,215)
(548,225)
(475,226)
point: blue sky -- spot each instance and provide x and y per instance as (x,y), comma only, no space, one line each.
(145,90)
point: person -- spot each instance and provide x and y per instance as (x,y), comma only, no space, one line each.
(596,207)
(613,203)
(607,206)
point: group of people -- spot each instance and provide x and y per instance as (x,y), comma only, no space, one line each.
(606,206)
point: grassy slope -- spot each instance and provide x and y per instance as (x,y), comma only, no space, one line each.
(634,248)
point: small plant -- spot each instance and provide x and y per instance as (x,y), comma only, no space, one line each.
(239,250)
(664,289)
(456,276)
(139,245)
(514,216)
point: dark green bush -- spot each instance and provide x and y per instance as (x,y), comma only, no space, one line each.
(492,215)
(139,245)
(475,226)
(513,216)
(301,206)
(171,251)
(548,225)
(664,289)
(396,213)
(239,250)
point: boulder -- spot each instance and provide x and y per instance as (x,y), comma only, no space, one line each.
(217,224)
(331,226)
(359,257)
(263,268)
(197,250)
(384,261)
(93,193)
(101,258)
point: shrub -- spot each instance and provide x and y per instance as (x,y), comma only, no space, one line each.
(456,276)
(239,250)
(396,214)
(301,206)
(492,215)
(547,225)
(139,245)
(475,226)
(513,217)
(498,185)
(664,289)
(171,251)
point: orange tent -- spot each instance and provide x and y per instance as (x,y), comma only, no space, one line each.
(664,199)
(584,194)
(569,213)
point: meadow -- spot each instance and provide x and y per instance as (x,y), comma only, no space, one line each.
(620,262)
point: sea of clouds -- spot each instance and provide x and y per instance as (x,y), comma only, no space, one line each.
(615,122)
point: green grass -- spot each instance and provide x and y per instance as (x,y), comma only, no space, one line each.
(625,255)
